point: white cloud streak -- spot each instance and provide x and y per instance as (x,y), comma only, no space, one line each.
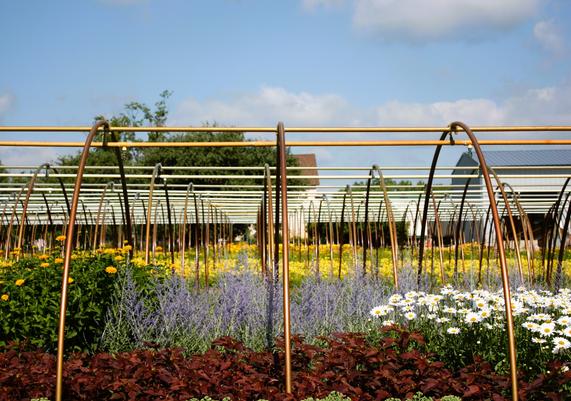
(549,36)
(314,4)
(543,106)
(7,101)
(267,106)
(422,21)
(548,105)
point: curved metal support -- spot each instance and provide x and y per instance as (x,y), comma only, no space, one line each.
(527,233)
(13,217)
(427,194)
(268,217)
(341,236)
(512,223)
(503,263)
(189,189)
(31,183)
(559,272)
(67,254)
(169,218)
(366,243)
(330,236)
(156,173)
(127,214)
(100,212)
(281,181)
(392,225)
(353,227)
(550,245)
(439,237)
(460,226)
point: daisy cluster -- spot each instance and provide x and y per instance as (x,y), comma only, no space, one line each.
(545,316)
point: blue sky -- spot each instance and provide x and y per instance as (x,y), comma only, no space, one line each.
(306,62)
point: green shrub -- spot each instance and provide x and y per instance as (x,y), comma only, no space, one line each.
(421,397)
(334,396)
(30,289)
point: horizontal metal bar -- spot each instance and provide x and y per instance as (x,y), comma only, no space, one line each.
(248,144)
(529,128)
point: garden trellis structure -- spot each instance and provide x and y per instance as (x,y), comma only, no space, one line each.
(281,213)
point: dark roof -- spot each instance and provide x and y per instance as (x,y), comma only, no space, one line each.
(308,160)
(547,157)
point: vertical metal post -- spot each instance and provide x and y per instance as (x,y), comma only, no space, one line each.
(156,172)
(281,168)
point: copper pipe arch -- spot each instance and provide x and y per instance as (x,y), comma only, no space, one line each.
(156,173)
(67,255)
(503,264)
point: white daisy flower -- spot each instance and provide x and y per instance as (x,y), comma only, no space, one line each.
(532,326)
(560,344)
(379,311)
(546,329)
(472,317)
(484,313)
(410,316)
(453,330)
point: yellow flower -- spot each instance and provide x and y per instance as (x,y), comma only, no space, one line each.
(126,248)
(5,297)
(60,238)
(20,282)
(158,248)
(43,257)
(58,260)
(111,269)
(70,280)
(118,258)
(45,264)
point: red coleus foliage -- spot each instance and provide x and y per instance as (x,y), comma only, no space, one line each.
(348,364)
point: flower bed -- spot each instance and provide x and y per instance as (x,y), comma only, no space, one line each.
(396,364)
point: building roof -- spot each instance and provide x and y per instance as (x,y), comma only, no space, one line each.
(308,160)
(546,157)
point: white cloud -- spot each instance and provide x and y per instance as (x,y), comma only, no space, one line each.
(549,105)
(267,106)
(483,111)
(549,37)
(434,20)
(6,102)
(20,156)
(542,106)
(314,4)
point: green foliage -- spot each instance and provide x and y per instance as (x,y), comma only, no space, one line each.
(334,396)
(29,309)
(421,397)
